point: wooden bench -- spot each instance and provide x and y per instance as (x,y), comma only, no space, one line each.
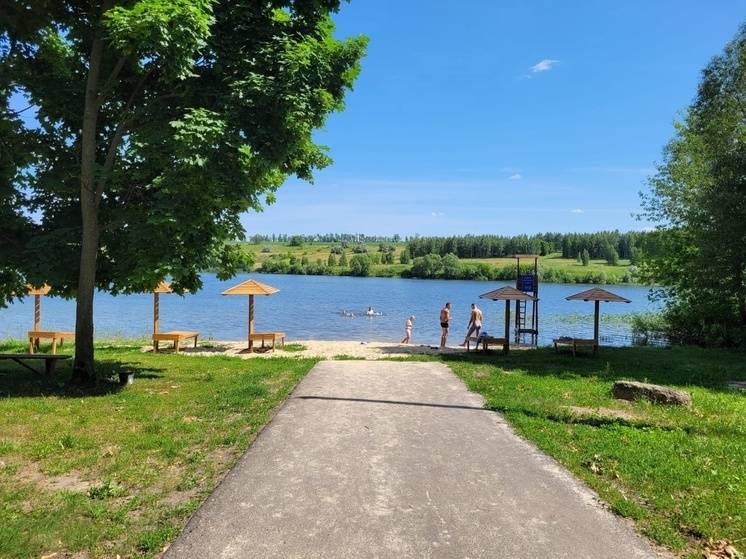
(50,360)
(486,341)
(574,343)
(35,335)
(274,337)
(175,336)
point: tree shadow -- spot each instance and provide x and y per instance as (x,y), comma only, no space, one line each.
(17,381)
(677,366)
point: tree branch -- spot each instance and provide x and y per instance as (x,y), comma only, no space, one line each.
(110,81)
(116,138)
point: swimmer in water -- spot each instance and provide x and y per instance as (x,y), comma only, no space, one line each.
(370,311)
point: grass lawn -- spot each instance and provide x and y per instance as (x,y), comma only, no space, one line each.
(679,473)
(118,471)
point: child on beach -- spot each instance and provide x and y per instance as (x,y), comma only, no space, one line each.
(408,330)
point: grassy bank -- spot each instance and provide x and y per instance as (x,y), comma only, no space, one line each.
(118,471)
(679,473)
(312,259)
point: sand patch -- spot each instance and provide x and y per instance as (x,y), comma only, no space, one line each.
(71,481)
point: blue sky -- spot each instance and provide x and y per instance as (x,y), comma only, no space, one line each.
(504,117)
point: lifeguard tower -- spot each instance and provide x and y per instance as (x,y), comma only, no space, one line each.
(527,310)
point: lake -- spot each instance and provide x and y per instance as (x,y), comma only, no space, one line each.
(310,307)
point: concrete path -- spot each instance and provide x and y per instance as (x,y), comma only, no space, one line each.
(386,459)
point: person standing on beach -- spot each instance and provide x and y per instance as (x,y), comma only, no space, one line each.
(408,325)
(445,319)
(475,323)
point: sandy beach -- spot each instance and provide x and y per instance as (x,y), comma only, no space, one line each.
(323,349)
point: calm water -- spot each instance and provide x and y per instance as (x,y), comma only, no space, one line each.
(310,307)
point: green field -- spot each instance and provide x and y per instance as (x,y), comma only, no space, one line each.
(554,267)
(118,471)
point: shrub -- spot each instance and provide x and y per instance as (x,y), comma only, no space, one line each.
(404,257)
(428,266)
(585,257)
(360,265)
(343,260)
(332,260)
(296,241)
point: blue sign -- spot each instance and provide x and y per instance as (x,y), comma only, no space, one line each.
(526,282)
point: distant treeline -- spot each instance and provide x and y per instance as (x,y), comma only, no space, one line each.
(598,245)
(325,238)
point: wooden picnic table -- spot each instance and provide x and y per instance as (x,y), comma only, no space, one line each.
(175,336)
(50,360)
(486,341)
(274,337)
(574,343)
(35,335)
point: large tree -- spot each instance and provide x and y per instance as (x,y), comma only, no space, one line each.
(698,201)
(157,123)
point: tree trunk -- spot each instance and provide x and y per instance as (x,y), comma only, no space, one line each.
(83,367)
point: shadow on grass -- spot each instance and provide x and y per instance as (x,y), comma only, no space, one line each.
(675,366)
(17,381)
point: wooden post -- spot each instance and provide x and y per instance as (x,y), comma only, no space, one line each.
(506,346)
(37,312)
(156,313)
(597,305)
(251,320)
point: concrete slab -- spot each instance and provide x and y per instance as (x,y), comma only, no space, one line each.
(384,459)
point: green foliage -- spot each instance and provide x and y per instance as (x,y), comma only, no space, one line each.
(331,261)
(360,248)
(698,200)
(404,256)
(296,241)
(428,266)
(387,257)
(585,258)
(494,246)
(611,255)
(360,265)
(161,122)
(343,260)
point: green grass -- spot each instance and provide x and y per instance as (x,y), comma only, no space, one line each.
(293,347)
(118,470)
(679,473)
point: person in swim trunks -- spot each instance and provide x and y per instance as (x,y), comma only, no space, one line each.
(445,318)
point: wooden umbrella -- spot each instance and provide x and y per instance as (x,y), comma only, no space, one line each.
(251,288)
(507,294)
(175,336)
(38,293)
(596,294)
(37,334)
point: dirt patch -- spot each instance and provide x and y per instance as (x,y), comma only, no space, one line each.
(601,412)
(65,555)
(70,481)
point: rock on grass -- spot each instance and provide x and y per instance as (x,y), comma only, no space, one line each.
(632,390)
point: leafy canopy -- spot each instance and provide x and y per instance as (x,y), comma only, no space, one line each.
(205,107)
(698,200)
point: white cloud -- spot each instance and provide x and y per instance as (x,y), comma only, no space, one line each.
(437,214)
(543,65)
(576,211)
(515,177)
